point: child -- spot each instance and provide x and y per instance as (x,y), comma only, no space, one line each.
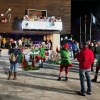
(65,62)
(41,56)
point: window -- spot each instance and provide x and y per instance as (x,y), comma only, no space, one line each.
(38,13)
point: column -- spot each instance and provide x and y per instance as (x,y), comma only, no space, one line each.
(56,41)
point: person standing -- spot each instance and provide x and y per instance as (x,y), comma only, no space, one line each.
(85,58)
(42,55)
(50,44)
(20,56)
(65,61)
(19,42)
(74,48)
(4,42)
(97,63)
(91,47)
(14,64)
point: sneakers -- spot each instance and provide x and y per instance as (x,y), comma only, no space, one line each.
(59,78)
(89,93)
(94,80)
(66,78)
(92,70)
(84,94)
(81,94)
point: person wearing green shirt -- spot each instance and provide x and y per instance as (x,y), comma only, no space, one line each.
(33,50)
(20,56)
(34,54)
(97,63)
(65,61)
(42,50)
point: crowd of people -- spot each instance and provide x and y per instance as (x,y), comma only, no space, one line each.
(42,18)
(36,53)
(85,54)
(6,43)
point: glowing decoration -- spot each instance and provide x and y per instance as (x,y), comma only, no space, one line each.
(6,17)
(66,37)
(61,39)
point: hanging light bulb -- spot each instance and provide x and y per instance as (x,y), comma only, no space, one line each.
(2,15)
(6,16)
(9,9)
(66,37)
(61,39)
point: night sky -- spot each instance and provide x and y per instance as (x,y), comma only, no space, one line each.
(80,8)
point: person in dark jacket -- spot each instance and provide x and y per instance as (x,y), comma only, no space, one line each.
(92,47)
(97,63)
(14,64)
(85,59)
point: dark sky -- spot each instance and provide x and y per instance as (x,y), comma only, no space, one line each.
(80,8)
(84,7)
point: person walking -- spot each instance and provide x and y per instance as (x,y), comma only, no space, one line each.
(85,58)
(14,61)
(65,61)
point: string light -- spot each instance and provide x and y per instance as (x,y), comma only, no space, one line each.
(6,16)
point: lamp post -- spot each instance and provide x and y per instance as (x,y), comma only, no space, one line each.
(90,25)
(85,27)
(80,31)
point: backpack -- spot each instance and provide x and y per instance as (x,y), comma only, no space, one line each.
(12,57)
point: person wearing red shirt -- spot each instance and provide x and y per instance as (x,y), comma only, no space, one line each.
(85,58)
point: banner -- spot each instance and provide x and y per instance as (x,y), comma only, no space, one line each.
(39,25)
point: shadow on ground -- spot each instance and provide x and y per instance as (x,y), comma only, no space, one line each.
(10,97)
(38,87)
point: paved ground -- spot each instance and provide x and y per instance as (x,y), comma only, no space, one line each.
(42,84)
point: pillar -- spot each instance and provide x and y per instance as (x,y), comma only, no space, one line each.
(55,41)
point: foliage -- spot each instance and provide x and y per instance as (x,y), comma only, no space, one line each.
(29,67)
(55,58)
